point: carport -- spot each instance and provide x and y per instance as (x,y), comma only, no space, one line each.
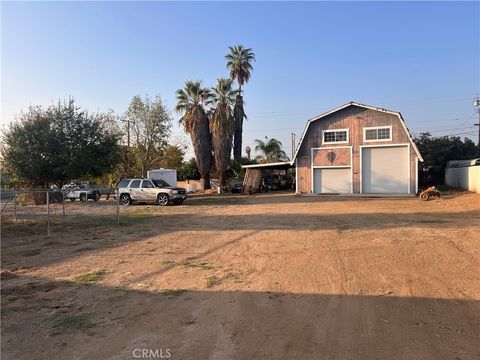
(253,174)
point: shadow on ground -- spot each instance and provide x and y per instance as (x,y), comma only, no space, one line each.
(27,240)
(213,324)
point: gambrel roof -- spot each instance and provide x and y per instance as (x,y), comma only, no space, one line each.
(352,103)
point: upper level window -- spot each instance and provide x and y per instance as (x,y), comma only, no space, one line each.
(383,133)
(335,136)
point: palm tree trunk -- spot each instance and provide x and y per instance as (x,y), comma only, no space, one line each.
(238,114)
(206,181)
(202,147)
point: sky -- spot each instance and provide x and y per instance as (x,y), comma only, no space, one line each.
(419,58)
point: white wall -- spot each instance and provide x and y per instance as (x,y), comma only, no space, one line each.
(467,177)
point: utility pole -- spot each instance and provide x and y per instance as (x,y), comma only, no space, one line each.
(476,106)
(128,145)
(293,144)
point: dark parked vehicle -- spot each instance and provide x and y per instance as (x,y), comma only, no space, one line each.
(236,185)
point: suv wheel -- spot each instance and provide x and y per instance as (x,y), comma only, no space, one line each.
(162,199)
(96,195)
(125,199)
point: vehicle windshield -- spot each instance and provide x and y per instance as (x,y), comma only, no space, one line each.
(160,183)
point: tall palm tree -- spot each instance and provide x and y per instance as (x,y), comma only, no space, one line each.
(270,151)
(191,101)
(222,125)
(239,62)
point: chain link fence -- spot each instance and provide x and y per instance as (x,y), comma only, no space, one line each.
(57,207)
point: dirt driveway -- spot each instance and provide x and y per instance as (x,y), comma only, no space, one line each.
(271,277)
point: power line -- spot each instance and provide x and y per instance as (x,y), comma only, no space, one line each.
(320,110)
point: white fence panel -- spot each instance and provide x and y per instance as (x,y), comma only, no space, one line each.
(465,177)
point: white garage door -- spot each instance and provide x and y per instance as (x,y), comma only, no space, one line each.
(337,180)
(385,169)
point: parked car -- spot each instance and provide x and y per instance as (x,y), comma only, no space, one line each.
(236,185)
(82,193)
(150,190)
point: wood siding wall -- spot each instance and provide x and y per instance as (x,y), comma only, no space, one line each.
(355,119)
(332,157)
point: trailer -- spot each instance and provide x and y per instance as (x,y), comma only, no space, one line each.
(168,175)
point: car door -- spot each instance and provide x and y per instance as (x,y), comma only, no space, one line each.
(134,190)
(148,191)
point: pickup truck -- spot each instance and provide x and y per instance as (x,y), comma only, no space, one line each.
(81,193)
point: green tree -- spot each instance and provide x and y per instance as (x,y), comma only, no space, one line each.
(222,125)
(58,144)
(270,151)
(189,171)
(239,62)
(151,127)
(437,151)
(191,104)
(172,157)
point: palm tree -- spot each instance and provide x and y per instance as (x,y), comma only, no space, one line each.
(271,151)
(239,62)
(248,151)
(191,102)
(222,125)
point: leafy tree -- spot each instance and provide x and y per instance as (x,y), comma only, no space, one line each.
(151,128)
(172,157)
(236,169)
(239,62)
(270,151)
(436,151)
(222,125)
(189,171)
(191,104)
(58,144)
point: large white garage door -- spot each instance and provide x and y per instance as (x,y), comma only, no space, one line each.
(385,169)
(336,180)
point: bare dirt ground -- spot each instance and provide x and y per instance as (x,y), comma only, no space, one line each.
(236,277)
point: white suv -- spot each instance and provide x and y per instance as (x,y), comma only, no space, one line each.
(149,190)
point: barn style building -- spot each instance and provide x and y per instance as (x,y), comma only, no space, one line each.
(357,148)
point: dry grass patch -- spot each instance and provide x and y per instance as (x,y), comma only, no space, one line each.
(67,323)
(213,280)
(174,292)
(90,277)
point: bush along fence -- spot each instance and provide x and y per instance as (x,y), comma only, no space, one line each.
(59,206)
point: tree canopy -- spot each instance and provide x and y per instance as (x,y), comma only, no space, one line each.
(239,62)
(150,131)
(436,151)
(58,144)
(270,151)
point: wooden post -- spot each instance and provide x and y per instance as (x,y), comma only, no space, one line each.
(48,213)
(118,208)
(14,204)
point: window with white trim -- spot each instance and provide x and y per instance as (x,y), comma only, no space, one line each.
(378,134)
(335,136)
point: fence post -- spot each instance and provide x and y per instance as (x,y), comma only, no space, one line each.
(48,213)
(118,207)
(14,204)
(63,203)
